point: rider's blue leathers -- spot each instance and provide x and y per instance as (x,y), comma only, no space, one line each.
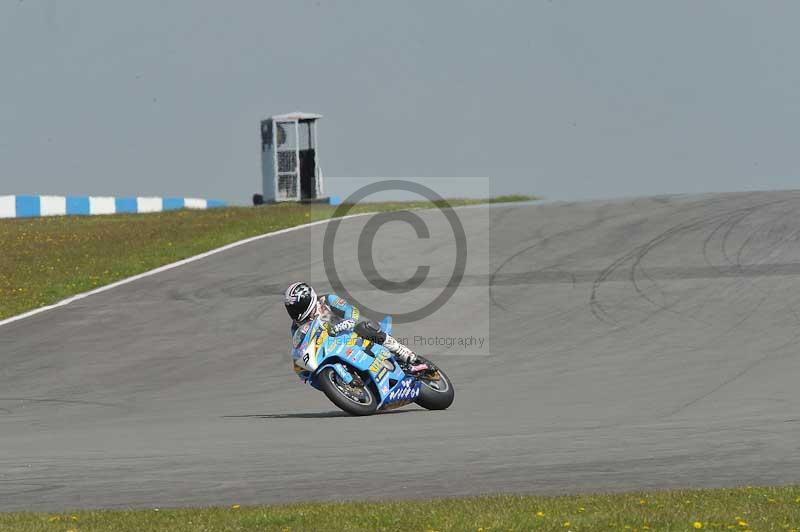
(344,317)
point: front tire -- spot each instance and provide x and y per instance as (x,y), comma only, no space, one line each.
(436,392)
(355,400)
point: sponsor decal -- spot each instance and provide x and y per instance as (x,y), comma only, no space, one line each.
(377,363)
(339,302)
(382,365)
(407,391)
(321,338)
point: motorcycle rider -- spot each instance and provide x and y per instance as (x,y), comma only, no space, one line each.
(303,305)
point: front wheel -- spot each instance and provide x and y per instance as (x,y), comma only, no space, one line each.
(436,392)
(355,398)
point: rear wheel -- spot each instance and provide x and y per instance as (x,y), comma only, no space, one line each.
(356,398)
(436,392)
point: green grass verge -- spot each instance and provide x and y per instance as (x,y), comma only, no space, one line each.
(44,260)
(742,509)
(510,198)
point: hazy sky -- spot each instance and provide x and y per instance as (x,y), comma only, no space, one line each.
(566,99)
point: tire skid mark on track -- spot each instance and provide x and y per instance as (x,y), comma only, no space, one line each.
(738,266)
(600,219)
(768,355)
(57,401)
(636,262)
(732,222)
(19,487)
(559,274)
(637,254)
(790,212)
(539,242)
(597,308)
(707,259)
(738,375)
(769,267)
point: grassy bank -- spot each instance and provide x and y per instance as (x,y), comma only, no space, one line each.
(744,509)
(44,260)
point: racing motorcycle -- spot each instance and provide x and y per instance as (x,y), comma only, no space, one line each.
(362,377)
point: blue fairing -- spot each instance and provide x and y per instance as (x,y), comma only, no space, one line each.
(314,350)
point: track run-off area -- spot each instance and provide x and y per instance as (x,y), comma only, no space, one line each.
(628,344)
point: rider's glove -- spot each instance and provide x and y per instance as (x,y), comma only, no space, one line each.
(343,326)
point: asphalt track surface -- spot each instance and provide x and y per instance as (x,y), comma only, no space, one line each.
(648,343)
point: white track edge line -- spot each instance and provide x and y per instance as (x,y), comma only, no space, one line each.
(166,267)
(173,265)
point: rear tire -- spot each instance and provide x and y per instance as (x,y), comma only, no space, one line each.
(435,394)
(334,389)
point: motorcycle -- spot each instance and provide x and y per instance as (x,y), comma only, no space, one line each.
(362,377)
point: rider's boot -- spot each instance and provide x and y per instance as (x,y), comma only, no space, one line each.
(404,354)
